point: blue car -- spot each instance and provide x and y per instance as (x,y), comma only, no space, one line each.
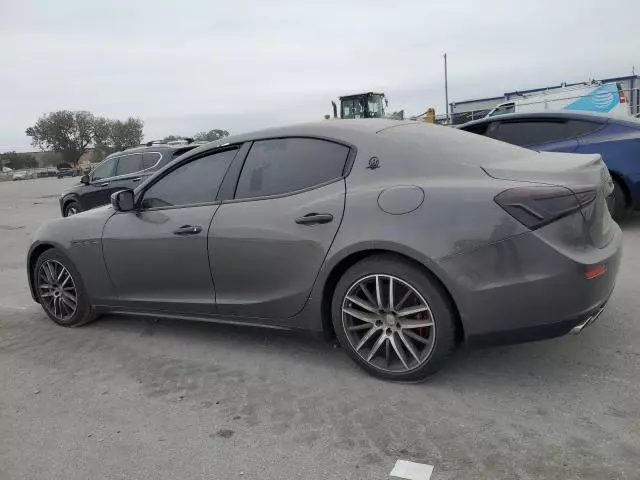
(616,139)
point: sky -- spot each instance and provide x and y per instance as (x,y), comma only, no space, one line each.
(241,65)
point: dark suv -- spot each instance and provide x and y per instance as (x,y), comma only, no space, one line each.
(119,170)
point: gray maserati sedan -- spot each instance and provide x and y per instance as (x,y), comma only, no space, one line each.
(402,239)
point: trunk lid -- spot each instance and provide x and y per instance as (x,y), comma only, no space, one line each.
(578,173)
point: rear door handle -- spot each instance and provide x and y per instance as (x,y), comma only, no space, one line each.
(313,218)
(135,180)
(188,230)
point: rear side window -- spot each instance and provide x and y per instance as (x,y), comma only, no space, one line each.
(578,128)
(129,164)
(194,182)
(530,133)
(284,165)
(150,159)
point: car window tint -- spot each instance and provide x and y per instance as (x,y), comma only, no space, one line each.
(578,128)
(529,132)
(195,182)
(285,165)
(478,128)
(149,159)
(104,170)
(129,164)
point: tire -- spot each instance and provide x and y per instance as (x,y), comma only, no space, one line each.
(618,202)
(64,312)
(72,208)
(398,327)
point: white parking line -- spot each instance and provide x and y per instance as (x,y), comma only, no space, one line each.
(411,470)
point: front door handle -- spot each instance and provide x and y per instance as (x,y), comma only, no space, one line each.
(105,184)
(135,180)
(313,218)
(188,230)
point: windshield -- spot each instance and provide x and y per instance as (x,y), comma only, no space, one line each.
(353,108)
(376,105)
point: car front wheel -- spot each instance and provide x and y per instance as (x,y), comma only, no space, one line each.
(60,291)
(393,319)
(72,208)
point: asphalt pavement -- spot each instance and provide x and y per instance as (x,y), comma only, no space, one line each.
(143,399)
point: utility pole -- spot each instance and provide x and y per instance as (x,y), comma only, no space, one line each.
(446,87)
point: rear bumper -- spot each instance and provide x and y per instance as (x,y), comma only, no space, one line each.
(524,288)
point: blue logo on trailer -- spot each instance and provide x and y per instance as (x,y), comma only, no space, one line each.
(602,99)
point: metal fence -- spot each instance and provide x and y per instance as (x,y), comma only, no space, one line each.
(632,97)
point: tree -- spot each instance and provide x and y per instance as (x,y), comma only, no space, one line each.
(170,138)
(71,133)
(66,132)
(114,135)
(126,134)
(210,136)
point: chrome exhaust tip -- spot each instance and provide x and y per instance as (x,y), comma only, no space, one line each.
(590,319)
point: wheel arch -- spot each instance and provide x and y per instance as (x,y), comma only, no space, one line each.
(34,253)
(620,178)
(349,259)
(72,197)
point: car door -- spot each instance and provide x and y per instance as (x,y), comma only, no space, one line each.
(127,174)
(97,191)
(157,254)
(266,246)
(536,134)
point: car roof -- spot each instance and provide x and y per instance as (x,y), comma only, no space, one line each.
(333,128)
(573,115)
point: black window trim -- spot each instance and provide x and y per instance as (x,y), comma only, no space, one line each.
(236,173)
(223,148)
(126,175)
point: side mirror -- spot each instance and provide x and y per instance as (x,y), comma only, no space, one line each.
(123,200)
(84,179)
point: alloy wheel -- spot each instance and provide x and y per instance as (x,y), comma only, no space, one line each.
(388,323)
(57,290)
(71,211)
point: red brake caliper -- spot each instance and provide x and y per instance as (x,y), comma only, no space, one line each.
(422,331)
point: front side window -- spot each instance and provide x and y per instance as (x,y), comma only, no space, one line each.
(284,165)
(530,133)
(129,164)
(104,170)
(194,182)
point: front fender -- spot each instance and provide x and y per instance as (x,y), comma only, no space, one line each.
(79,238)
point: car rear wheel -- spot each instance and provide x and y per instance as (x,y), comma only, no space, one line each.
(393,319)
(617,202)
(72,208)
(60,291)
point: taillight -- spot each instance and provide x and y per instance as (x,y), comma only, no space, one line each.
(535,207)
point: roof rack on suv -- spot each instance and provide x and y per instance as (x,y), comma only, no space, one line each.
(179,141)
